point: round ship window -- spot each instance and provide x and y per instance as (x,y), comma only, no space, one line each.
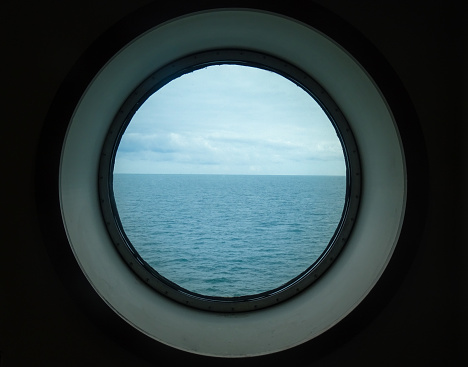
(85,222)
(229,180)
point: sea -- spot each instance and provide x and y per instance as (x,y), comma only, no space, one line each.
(229,235)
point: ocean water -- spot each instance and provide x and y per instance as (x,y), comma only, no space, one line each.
(229,235)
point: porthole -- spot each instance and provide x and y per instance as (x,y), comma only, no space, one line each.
(385,185)
(308,258)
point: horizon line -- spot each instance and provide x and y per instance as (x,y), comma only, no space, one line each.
(223,174)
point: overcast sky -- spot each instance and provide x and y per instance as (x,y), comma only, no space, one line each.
(230,119)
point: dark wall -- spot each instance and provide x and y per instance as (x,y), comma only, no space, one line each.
(423,324)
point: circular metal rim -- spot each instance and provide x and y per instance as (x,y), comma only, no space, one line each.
(151,85)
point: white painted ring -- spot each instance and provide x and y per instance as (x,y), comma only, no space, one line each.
(340,289)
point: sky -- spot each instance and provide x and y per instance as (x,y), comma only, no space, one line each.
(230,119)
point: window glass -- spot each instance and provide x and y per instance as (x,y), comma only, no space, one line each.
(230,181)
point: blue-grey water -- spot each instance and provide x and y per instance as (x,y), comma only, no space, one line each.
(229,235)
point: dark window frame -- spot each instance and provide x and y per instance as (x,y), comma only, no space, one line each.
(164,76)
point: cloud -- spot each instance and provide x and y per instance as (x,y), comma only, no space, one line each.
(230,119)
